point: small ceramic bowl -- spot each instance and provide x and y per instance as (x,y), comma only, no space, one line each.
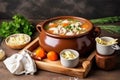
(69,58)
(17,41)
(106,45)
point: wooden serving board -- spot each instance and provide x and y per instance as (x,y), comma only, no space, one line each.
(80,71)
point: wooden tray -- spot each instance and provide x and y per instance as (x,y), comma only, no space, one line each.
(54,66)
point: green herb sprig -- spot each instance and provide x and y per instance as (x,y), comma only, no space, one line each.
(110,28)
(106,20)
(18,24)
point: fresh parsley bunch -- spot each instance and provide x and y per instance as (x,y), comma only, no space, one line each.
(18,24)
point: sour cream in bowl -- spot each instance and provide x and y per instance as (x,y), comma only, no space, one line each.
(69,58)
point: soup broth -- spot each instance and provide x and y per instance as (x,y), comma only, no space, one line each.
(66,27)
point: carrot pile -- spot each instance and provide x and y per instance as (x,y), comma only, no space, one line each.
(41,54)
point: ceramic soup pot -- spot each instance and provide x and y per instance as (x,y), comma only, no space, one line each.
(84,43)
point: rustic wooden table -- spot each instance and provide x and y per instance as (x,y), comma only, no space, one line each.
(94,74)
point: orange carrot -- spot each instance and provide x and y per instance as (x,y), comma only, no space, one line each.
(52,25)
(65,24)
(85,26)
(40,53)
(53,56)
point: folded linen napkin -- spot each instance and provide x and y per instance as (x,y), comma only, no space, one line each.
(20,63)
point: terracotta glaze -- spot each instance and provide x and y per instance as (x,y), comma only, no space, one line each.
(83,43)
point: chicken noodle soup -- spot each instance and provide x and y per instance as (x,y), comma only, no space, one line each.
(67,27)
(105,42)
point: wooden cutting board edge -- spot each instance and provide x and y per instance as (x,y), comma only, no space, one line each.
(81,73)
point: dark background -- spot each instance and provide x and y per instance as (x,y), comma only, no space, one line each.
(43,9)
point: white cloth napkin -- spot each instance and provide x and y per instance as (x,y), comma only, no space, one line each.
(20,63)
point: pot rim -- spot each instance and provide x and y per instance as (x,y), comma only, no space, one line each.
(65,17)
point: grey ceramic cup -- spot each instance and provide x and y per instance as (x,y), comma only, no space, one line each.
(69,62)
(106,49)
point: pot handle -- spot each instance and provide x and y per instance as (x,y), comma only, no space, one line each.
(38,27)
(97,31)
